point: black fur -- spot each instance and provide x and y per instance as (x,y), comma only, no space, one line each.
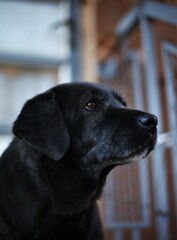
(67,140)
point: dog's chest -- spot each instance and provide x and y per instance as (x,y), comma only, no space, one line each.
(51,223)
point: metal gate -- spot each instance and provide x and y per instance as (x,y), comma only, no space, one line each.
(156,204)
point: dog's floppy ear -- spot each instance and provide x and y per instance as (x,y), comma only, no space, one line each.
(42,125)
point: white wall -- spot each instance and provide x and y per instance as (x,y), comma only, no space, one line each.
(26,29)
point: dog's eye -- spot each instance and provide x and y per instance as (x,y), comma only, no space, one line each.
(91,105)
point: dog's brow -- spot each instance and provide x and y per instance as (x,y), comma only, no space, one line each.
(119,98)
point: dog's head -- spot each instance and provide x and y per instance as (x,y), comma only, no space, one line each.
(89,121)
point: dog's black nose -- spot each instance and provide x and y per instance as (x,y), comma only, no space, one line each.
(148,120)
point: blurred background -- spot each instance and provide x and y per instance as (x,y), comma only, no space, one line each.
(130,45)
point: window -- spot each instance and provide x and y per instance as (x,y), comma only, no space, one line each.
(34,54)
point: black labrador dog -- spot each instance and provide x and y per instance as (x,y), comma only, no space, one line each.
(67,140)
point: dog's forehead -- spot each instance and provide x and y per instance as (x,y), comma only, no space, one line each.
(104,93)
(89,91)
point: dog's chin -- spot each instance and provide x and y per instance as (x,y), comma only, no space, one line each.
(130,158)
(133,158)
(135,155)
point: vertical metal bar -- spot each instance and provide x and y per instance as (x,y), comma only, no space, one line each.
(172,108)
(109,201)
(75,41)
(137,83)
(135,234)
(143,171)
(158,166)
(118,235)
(145,193)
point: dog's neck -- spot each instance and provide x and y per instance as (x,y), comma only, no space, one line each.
(66,185)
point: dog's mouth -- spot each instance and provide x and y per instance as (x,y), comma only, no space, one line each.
(130,159)
(141,152)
